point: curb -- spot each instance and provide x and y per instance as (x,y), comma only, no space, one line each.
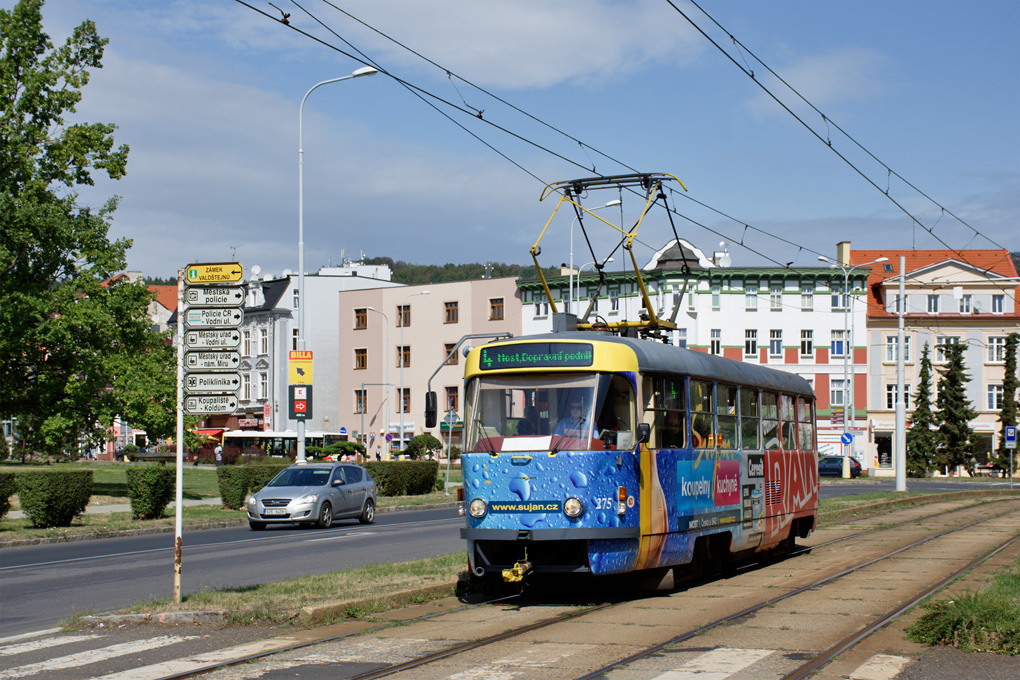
(197,618)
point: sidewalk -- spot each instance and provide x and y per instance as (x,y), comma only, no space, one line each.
(126,507)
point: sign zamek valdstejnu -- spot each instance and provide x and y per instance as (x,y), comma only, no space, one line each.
(212,313)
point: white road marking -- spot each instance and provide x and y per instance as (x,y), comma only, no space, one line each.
(92,656)
(880,667)
(25,636)
(513,667)
(718,664)
(351,535)
(23,647)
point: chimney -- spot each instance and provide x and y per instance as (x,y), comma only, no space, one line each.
(843,253)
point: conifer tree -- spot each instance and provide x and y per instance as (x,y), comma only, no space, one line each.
(956,437)
(1008,415)
(922,438)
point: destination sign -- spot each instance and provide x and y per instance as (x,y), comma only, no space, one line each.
(210,404)
(212,360)
(216,272)
(215,339)
(214,296)
(537,355)
(197,317)
(212,382)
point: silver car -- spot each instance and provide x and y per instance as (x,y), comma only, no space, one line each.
(314,493)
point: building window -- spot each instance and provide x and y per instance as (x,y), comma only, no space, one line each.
(751,297)
(807,297)
(297,299)
(246,386)
(941,342)
(716,295)
(403,356)
(452,313)
(965,304)
(359,401)
(403,315)
(451,398)
(890,396)
(933,304)
(807,343)
(997,304)
(681,337)
(891,355)
(496,309)
(839,345)
(837,392)
(716,341)
(448,347)
(263,385)
(246,340)
(405,399)
(295,338)
(996,349)
(614,302)
(995,395)
(750,342)
(360,319)
(775,342)
(776,297)
(263,341)
(840,297)
(360,359)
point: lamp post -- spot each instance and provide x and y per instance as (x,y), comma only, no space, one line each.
(401,402)
(848,393)
(386,352)
(302,297)
(581,269)
(570,294)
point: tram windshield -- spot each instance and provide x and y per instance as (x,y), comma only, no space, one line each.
(579,412)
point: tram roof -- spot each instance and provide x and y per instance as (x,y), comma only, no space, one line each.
(657,357)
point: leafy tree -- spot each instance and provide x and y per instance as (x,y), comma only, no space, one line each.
(75,351)
(922,438)
(421,445)
(1008,415)
(956,445)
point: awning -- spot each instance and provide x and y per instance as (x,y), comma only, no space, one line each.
(212,433)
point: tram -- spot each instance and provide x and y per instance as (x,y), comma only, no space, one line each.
(602,449)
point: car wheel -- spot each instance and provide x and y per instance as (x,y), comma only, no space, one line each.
(368,514)
(257,526)
(325,516)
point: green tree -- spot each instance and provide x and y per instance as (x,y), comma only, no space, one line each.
(1008,415)
(922,438)
(956,438)
(75,351)
(423,444)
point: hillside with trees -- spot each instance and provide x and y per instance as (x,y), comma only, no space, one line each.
(423,274)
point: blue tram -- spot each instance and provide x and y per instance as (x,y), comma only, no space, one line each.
(589,453)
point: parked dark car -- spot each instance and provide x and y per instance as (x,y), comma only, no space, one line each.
(314,493)
(833,465)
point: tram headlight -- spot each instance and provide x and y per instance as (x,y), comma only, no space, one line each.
(477,508)
(573,507)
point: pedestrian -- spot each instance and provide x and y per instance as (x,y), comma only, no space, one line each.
(378,453)
(219,455)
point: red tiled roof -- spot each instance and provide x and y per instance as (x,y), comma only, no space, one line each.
(166,296)
(994,261)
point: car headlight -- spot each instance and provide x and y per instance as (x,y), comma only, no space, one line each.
(249,500)
(573,507)
(477,508)
(308,499)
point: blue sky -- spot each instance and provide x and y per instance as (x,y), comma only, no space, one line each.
(206,93)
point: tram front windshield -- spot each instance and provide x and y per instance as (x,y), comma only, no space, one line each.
(577,412)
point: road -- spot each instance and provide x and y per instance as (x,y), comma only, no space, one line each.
(39,585)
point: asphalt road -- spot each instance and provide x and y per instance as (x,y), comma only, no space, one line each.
(39,585)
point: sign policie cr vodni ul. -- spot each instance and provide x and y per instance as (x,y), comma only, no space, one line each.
(212,313)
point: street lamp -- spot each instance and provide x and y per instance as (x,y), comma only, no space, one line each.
(570,294)
(302,297)
(386,354)
(581,269)
(401,402)
(848,334)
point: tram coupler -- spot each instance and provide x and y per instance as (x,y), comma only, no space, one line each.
(516,573)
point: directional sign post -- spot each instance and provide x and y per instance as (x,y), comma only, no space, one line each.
(212,382)
(220,272)
(212,339)
(210,404)
(215,296)
(224,360)
(213,317)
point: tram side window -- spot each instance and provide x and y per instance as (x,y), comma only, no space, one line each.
(670,404)
(726,413)
(806,420)
(702,415)
(615,421)
(770,420)
(749,419)
(789,418)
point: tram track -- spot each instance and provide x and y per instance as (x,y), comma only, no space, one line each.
(489,644)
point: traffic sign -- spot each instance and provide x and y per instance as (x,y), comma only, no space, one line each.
(300,367)
(211,317)
(212,382)
(214,339)
(300,402)
(214,296)
(1011,436)
(846,438)
(210,404)
(218,272)
(225,360)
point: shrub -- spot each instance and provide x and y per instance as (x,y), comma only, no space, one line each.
(151,488)
(8,487)
(260,474)
(130,449)
(237,481)
(54,499)
(421,445)
(404,478)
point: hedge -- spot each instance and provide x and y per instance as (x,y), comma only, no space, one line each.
(54,498)
(404,478)
(151,488)
(8,487)
(237,481)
